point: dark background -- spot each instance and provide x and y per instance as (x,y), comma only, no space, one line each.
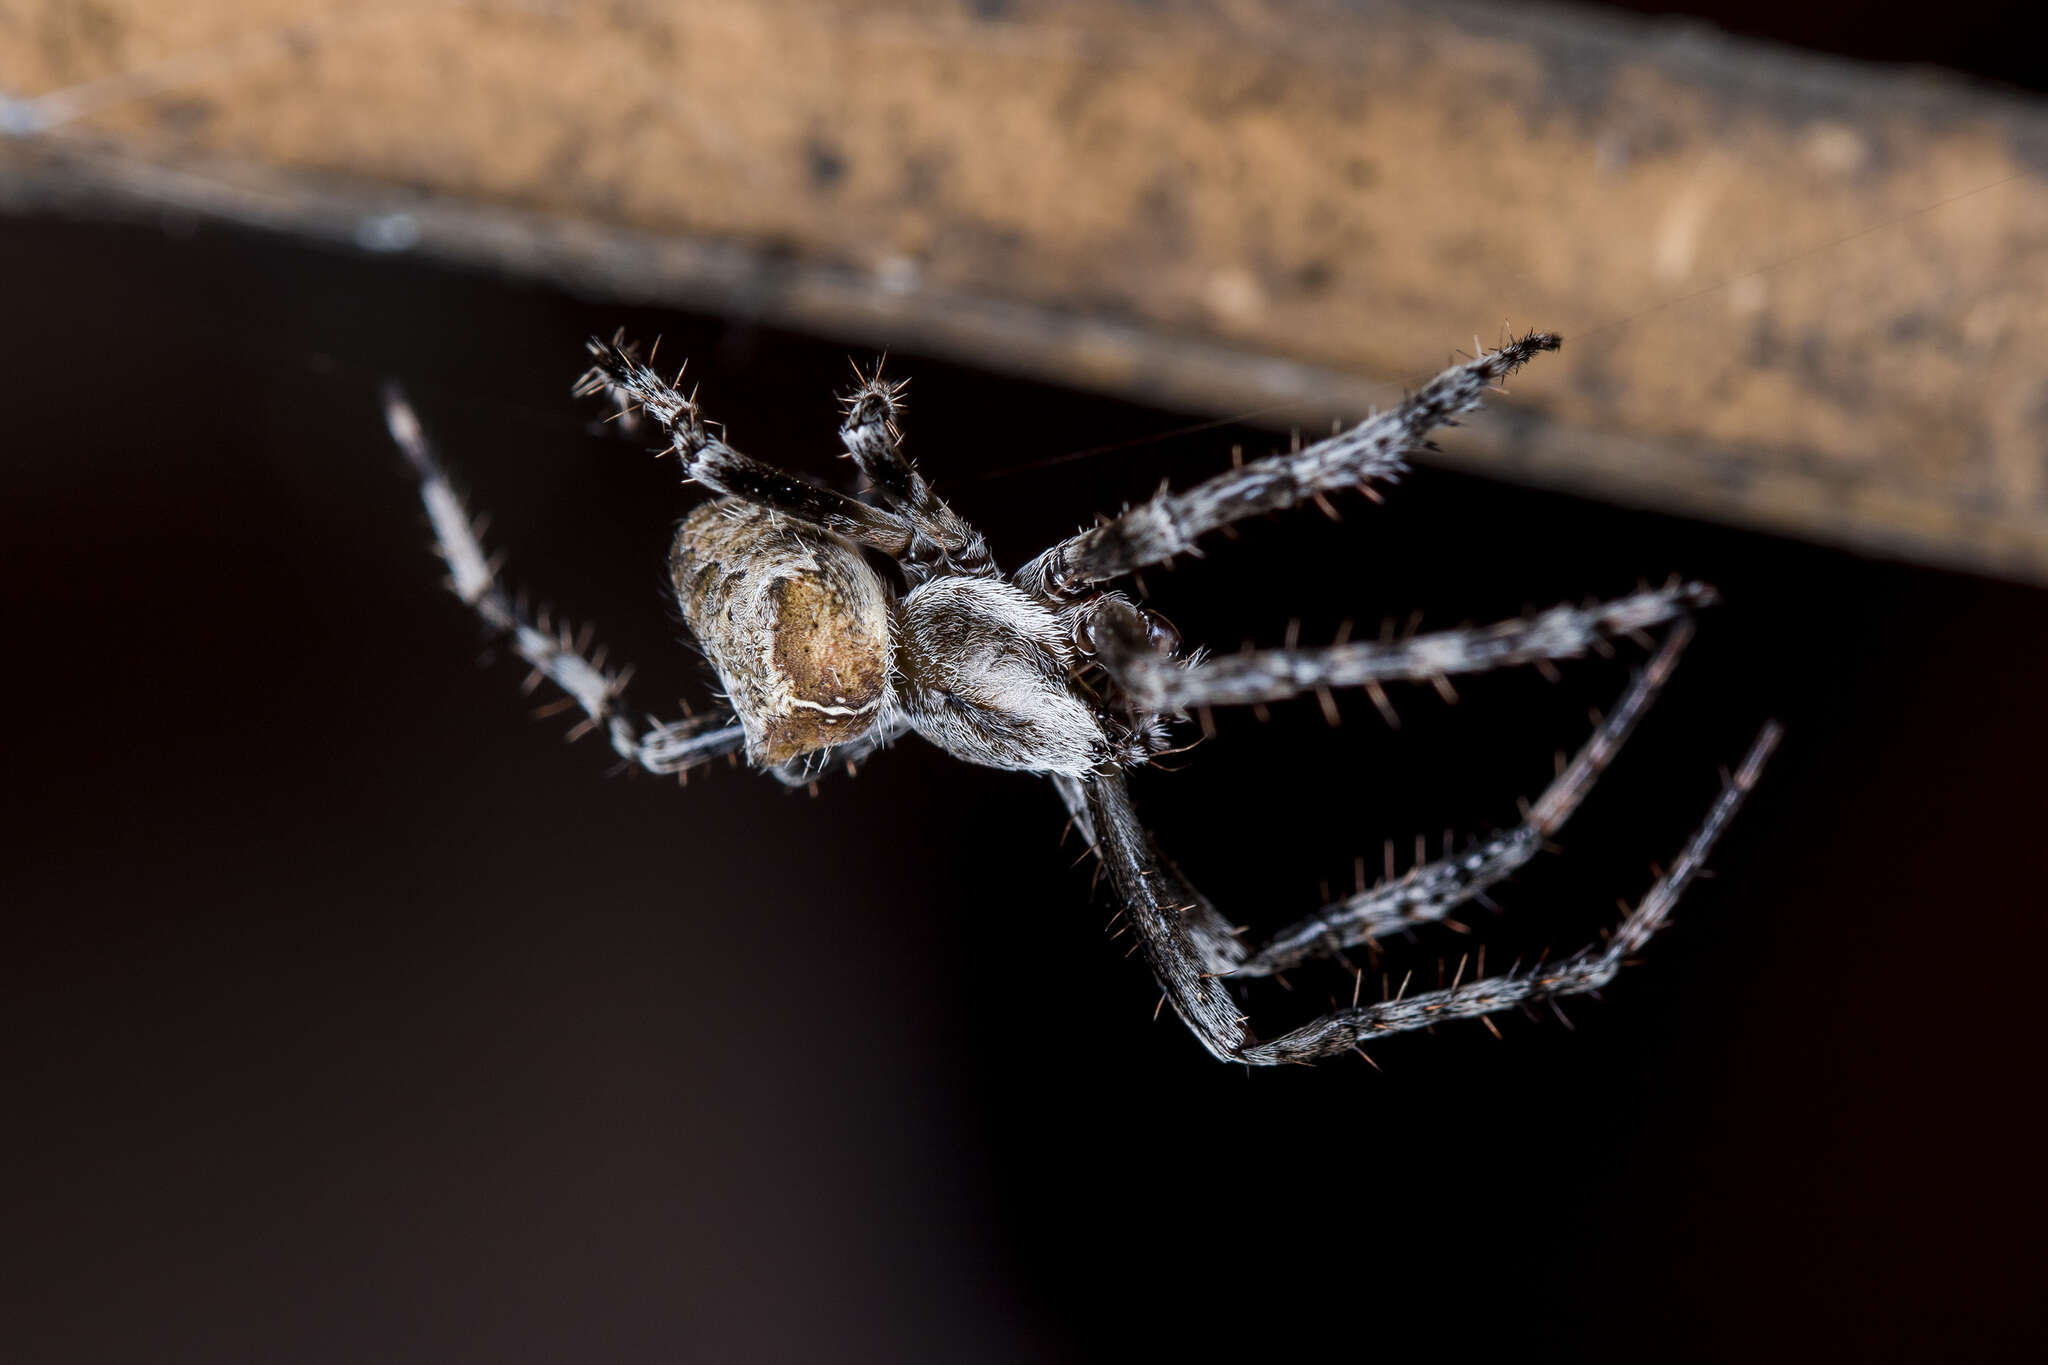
(346,1013)
(1992,39)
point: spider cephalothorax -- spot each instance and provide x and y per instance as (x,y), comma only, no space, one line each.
(824,657)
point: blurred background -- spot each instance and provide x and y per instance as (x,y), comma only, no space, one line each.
(347,1013)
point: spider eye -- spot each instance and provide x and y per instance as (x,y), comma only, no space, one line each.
(1160,632)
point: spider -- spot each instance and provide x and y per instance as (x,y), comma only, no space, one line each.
(826,658)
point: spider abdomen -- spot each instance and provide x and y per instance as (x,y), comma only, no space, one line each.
(793,619)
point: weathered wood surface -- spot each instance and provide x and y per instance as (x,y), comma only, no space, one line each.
(1796,294)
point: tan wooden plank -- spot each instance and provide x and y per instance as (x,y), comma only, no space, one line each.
(1797,294)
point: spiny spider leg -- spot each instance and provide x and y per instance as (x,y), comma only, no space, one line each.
(1215,940)
(1375,449)
(1170,928)
(873,436)
(1584,971)
(716,465)
(1156,681)
(1208,1010)
(1430,892)
(670,747)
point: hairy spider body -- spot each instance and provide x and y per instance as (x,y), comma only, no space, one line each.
(795,622)
(987,675)
(823,658)
(816,650)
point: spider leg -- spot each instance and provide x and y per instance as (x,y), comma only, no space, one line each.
(1430,892)
(1374,450)
(661,747)
(1213,938)
(1168,936)
(711,462)
(1584,971)
(873,435)
(1156,681)
(1177,929)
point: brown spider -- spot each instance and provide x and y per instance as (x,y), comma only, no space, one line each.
(825,658)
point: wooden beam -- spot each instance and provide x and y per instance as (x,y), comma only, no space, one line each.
(1797,293)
